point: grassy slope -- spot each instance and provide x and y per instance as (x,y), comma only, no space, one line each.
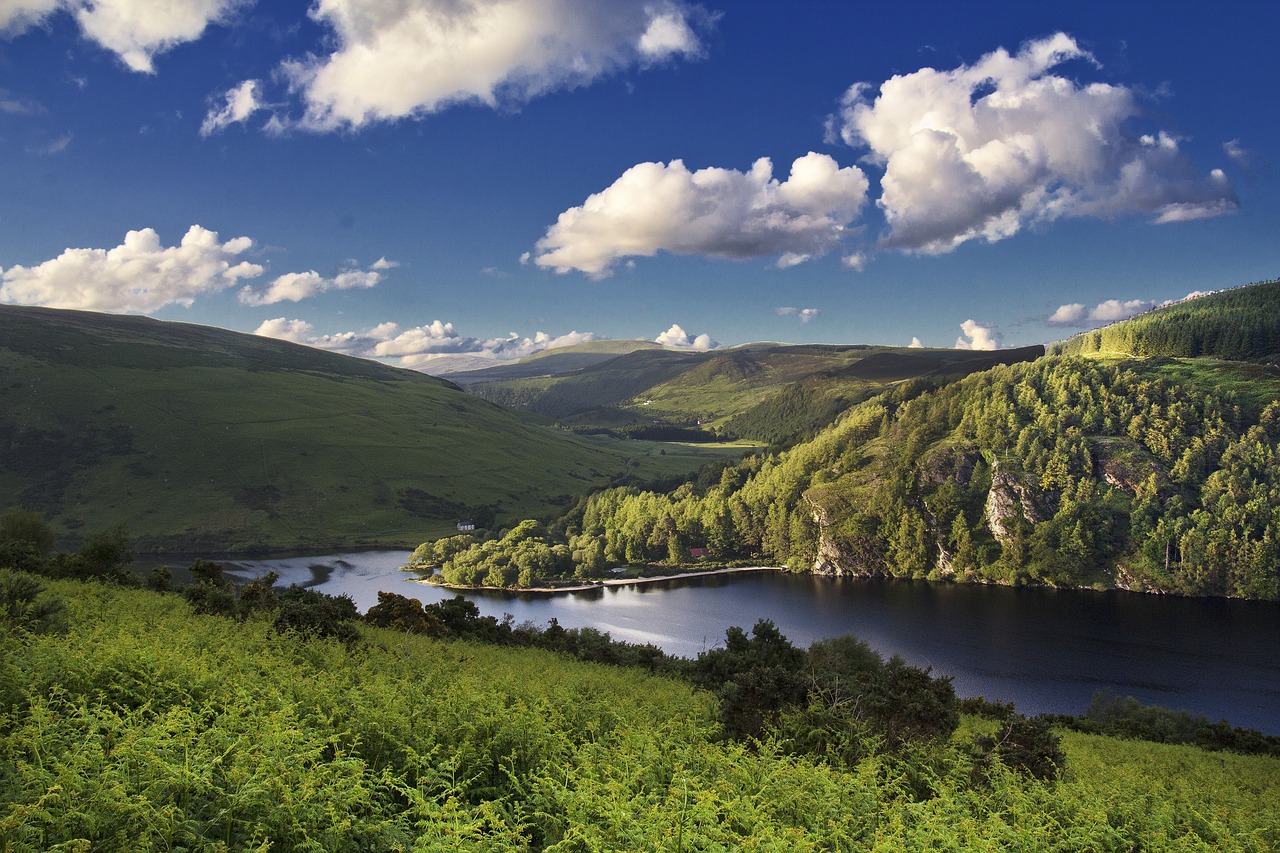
(715,387)
(148,727)
(198,438)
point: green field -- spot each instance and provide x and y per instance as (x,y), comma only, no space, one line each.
(202,439)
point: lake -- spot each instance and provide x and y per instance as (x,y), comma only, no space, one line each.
(1047,650)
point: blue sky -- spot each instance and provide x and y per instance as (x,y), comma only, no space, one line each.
(421,178)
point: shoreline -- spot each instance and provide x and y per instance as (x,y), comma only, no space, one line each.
(587,586)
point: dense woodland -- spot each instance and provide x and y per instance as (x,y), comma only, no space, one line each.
(1241,324)
(1064,471)
(251,717)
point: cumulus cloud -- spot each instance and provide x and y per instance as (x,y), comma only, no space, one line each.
(384,264)
(977,336)
(1107,311)
(1115,309)
(723,213)
(419,346)
(1111,310)
(135,30)
(1068,315)
(916,343)
(984,150)
(298,331)
(138,275)
(678,337)
(395,59)
(296,286)
(803,314)
(238,104)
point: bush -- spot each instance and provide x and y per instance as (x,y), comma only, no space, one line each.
(25,608)
(1027,745)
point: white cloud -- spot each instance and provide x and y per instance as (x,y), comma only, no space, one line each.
(395,59)
(856,261)
(135,30)
(17,16)
(1115,309)
(1239,155)
(138,275)
(1107,311)
(667,35)
(916,343)
(298,331)
(1068,315)
(384,264)
(979,337)
(984,150)
(238,104)
(296,286)
(419,346)
(678,337)
(724,213)
(803,314)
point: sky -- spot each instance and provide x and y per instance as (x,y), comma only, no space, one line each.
(419,180)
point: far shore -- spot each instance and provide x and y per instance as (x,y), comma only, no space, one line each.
(586,586)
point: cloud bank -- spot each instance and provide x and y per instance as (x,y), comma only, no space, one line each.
(982,151)
(138,275)
(723,213)
(134,30)
(142,275)
(418,346)
(395,59)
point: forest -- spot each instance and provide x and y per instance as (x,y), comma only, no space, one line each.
(136,716)
(1064,471)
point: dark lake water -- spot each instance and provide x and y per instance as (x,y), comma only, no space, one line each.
(1047,650)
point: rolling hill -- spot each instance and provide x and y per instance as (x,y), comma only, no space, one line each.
(773,393)
(203,439)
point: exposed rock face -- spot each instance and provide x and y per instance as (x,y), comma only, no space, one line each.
(951,462)
(1008,499)
(1125,465)
(854,556)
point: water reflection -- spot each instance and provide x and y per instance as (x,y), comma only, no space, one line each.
(1048,650)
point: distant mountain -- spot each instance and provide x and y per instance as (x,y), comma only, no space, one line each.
(768,392)
(561,361)
(198,438)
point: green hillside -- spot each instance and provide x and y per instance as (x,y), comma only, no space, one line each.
(1239,324)
(149,726)
(198,438)
(771,393)
(561,361)
(1154,474)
